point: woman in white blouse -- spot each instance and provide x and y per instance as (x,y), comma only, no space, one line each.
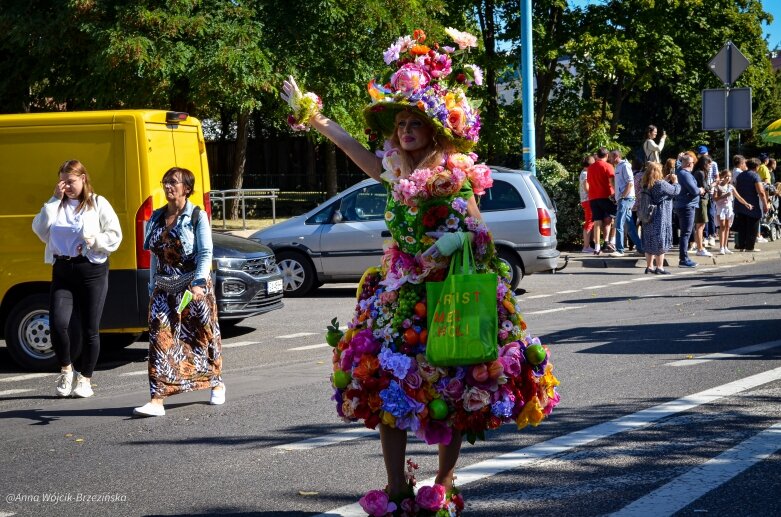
(652,150)
(80,230)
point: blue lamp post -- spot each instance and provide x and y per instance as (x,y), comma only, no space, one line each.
(527,85)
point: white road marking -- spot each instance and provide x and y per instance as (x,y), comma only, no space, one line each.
(622,282)
(569,292)
(13,392)
(741,352)
(309,347)
(540,451)
(298,334)
(702,287)
(537,296)
(687,488)
(329,439)
(240,343)
(645,278)
(25,377)
(594,287)
(548,311)
(6,514)
(140,372)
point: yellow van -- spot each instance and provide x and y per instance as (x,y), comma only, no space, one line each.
(126,153)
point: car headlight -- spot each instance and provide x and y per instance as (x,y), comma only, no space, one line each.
(229,263)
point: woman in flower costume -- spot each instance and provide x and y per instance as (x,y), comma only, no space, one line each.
(381,374)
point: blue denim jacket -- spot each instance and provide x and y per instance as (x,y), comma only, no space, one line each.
(198,240)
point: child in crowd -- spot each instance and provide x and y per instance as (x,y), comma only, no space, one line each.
(725,194)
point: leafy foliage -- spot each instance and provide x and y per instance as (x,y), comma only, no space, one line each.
(562,186)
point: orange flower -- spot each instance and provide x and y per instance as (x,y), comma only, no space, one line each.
(456,120)
(366,367)
(375,402)
(419,36)
(419,50)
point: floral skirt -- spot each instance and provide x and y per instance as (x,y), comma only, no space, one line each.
(185,350)
(381,375)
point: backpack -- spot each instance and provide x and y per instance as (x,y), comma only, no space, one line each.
(645,207)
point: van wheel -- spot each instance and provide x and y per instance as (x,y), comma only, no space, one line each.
(511,259)
(298,274)
(27,334)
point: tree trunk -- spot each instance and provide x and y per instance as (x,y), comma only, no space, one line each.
(237,178)
(331,187)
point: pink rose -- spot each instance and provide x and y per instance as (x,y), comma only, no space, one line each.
(364,343)
(511,365)
(456,119)
(431,497)
(480,178)
(409,78)
(376,503)
(454,389)
(443,184)
(459,161)
(413,380)
(476,399)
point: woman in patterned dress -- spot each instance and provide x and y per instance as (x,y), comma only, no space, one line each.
(658,234)
(185,347)
(381,375)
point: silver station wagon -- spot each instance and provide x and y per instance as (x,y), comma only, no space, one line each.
(341,238)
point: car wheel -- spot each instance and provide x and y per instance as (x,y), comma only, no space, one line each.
(511,259)
(28,336)
(298,274)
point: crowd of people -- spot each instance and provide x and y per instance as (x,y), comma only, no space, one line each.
(696,205)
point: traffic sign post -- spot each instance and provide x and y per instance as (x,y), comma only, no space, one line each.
(727,65)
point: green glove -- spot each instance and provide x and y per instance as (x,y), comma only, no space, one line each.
(449,243)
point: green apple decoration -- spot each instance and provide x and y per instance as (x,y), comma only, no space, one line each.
(437,408)
(341,379)
(334,335)
(535,354)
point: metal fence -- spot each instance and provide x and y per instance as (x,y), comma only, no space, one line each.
(242,195)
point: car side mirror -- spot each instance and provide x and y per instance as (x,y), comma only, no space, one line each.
(337,217)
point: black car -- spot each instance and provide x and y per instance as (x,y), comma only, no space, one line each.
(248,280)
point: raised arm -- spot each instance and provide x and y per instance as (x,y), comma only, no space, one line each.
(306,112)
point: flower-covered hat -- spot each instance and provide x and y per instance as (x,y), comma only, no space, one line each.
(426,80)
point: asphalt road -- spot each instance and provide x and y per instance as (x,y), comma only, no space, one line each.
(671,404)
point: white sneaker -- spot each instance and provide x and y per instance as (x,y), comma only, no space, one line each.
(761,239)
(149,409)
(65,383)
(722,251)
(711,243)
(703,253)
(729,251)
(83,387)
(218,397)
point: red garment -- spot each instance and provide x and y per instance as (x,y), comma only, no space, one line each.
(598,176)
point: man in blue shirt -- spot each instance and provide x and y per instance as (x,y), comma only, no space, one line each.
(685,204)
(625,199)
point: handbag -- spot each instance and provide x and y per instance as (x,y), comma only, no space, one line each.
(461,314)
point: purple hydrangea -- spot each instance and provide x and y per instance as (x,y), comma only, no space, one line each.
(398,364)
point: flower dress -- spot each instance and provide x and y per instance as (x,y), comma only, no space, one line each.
(185,350)
(380,370)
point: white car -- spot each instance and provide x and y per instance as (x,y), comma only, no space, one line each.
(341,238)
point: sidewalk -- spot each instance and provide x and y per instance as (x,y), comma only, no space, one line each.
(577,260)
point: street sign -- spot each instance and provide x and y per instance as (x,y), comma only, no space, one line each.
(728,64)
(738,105)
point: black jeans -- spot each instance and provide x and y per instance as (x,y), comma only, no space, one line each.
(77,284)
(686,222)
(747,228)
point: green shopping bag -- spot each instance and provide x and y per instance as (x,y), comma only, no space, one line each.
(461,314)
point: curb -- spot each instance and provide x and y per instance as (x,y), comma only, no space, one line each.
(582,261)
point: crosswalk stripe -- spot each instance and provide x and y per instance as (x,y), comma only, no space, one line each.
(239,343)
(741,352)
(139,372)
(25,377)
(309,347)
(329,439)
(13,392)
(548,311)
(298,334)
(687,488)
(530,455)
